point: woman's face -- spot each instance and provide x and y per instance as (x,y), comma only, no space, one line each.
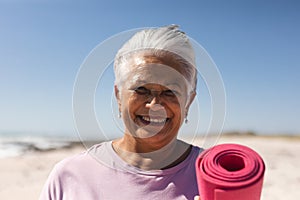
(154,100)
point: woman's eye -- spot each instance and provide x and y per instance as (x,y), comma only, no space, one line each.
(141,90)
(170,93)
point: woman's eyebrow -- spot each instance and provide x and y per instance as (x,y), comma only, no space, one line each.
(136,83)
(140,82)
(176,85)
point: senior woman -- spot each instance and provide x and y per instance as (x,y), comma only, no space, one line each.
(155,84)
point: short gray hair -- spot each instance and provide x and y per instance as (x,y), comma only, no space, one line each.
(157,41)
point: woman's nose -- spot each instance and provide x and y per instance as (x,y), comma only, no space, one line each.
(155,104)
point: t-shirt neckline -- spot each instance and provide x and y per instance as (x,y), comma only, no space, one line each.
(125,166)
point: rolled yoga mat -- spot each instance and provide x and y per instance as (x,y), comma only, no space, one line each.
(230,172)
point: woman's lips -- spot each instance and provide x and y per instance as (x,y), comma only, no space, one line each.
(155,121)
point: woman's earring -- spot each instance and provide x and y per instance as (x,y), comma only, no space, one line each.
(120,114)
(186,120)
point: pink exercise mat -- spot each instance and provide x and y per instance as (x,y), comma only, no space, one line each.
(230,172)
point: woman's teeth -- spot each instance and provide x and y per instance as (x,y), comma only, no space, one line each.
(148,119)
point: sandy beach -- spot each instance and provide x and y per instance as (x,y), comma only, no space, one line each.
(23,177)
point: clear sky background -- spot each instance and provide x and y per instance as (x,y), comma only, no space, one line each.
(255,45)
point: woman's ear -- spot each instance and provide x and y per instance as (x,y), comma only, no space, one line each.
(190,100)
(117,94)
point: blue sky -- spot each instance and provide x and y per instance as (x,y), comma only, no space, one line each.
(255,45)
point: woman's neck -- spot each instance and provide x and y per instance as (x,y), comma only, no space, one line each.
(151,159)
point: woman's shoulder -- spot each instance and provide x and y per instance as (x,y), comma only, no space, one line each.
(197,150)
(82,159)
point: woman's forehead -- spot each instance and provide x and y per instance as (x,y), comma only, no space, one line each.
(139,60)
(153,73)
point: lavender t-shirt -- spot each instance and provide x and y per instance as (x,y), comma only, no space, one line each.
(85,177)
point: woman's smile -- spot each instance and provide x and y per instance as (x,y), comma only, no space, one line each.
(153,121)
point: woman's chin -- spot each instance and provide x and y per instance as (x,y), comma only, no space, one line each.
(154,133)
(146,132)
